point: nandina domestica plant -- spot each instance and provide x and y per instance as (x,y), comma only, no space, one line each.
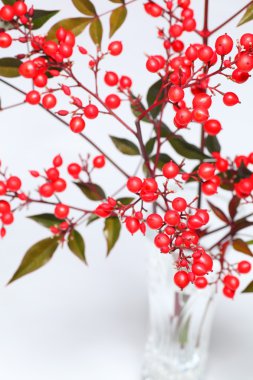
(185,82)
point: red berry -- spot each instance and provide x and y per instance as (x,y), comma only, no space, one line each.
(247,41)
(134,184)
(228,292)
(170,170)
(77,124)
(209,188)
(206,171)
(230,99)
(49,101)
(5,40)
(204,215)
(223,44)
(200,114)
(175,30)
(61,211)
(154,221)
(195,222)
(199,269)
(7,13)
(172,218)
(132,224)
(46,190)
(231,282)
(52,174)
(70,38)
(152,64)
(240,76)
(179,204)
(181,279)
(3,188)
(205,53)
(161,240)
(244,62)
(99,162)
(183,117)
(191,53)
(112,101)
(175,94)
(27,69)
(50,48)
(206,260)
(177,46)
(61,34)
(202,100)
(14,183)
(74,170)
(201,282)
(111,78)
(153,9)
(91,111)
(125,82)
(189,24)
(115,48)
(59,185)
(33,97)
(4,207)
(244,267)
(212,127)
(40,80)
(7,218)
(57,161)
(65,50)
(20,8)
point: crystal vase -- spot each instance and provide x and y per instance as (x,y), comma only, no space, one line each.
(180,325)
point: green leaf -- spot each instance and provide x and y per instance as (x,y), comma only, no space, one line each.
(76,245)
(233,206)
(91,190)
(149,146)
(125,146)
(241,246)
(219,213)
(9,67)
(76,25)
(111,232)
(249,288)
(153,97)
(85,6)
(243,172)
(96,31)
(248,16)
(92,218)
(9,2)
(117,18)
(41,17)
(138,108)
(212,144)
(36,257)
(163,159)
(46,220)
(125,200)
(186,149)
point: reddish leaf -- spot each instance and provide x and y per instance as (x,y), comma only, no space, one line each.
(240,246)
(219,213)
(233,205)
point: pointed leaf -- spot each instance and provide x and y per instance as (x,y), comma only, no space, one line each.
(149,146)
(212,144)
(186,149)
(46,220)
(219,213)
(96,31)
(9,67)
(85,6)
(249,288)
(76,25)
(111,232)
(241,246)
(91,190)
(92,218)
(117,1)
(155,94)
(40,17)
(36,257)
(233,206)
(125,200)
(125,146)
(9,2)
(241,224)
(117,18)
(76,245)
(248,16)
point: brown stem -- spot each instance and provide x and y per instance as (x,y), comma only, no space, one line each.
(66,124)
(230,18)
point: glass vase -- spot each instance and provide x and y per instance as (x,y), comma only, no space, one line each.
(180,325)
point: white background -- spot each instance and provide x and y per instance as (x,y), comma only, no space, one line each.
(69,322)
